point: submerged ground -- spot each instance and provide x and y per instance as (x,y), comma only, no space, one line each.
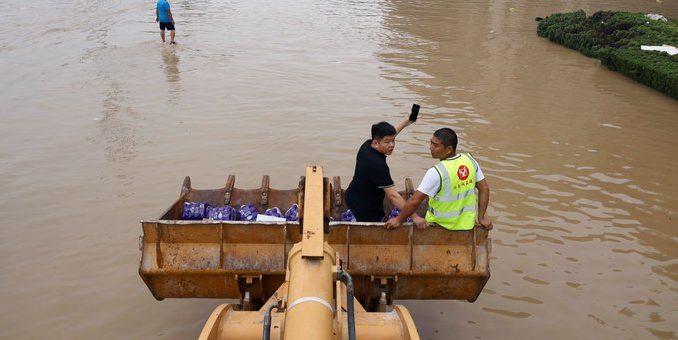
(99,123)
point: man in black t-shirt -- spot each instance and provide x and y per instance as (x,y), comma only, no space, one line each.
(372,178)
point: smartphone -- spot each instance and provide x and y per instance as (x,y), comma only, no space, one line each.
(415,112)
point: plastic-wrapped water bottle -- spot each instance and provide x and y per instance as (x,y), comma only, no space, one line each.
(194,211)
(394,213)
(224,213)
(248,212)
(348,216)
(292,214)
(275,211)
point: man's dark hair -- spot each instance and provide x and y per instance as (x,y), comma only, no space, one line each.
(447,136)
(382,129)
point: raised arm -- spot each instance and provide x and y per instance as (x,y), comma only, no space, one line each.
(405,123)
(483,201)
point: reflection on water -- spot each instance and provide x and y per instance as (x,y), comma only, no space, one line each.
(117,133)
(171,65)
(171,68)
(577,156)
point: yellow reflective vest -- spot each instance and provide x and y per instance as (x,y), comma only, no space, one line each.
(455,205)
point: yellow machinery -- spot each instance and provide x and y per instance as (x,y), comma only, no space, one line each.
(313,279)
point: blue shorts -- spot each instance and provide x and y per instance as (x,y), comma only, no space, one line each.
(166,26)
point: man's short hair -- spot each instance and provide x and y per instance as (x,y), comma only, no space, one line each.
(382,129)
(447,136)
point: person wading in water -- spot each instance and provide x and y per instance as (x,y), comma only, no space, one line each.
(163,16)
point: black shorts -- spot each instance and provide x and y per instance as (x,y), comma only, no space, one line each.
(166,26)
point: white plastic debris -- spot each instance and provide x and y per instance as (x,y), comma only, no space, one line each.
(672,50)
(266,218)
(655,16)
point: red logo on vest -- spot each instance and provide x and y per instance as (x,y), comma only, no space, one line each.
(462,172)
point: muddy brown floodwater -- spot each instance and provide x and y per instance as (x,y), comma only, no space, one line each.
(99,122)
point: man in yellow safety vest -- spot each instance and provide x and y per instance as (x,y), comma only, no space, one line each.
(457,191)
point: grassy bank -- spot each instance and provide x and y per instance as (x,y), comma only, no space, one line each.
(615,38)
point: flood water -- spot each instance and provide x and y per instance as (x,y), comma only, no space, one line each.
(99,122)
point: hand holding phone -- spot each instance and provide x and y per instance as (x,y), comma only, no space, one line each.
(414,113)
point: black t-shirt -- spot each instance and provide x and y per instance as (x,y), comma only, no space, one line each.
(365,194)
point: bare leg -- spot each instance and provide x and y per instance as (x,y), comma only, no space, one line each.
(162,35)
(172,37)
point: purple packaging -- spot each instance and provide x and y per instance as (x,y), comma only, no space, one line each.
(224,213)
(348,216)
(292,214)
(194,211)
(248,212)
(275,211)
(394,213)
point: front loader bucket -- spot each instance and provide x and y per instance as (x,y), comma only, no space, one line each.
(246,260)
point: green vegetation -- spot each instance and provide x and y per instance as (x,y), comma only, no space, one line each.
(615,38)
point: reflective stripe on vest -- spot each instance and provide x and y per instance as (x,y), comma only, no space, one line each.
(455,204)
(468,208)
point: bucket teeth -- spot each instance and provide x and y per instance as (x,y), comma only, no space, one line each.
(409,188)
(337,191)
(186,186)
(230,182)
(300,198)
(265,185)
